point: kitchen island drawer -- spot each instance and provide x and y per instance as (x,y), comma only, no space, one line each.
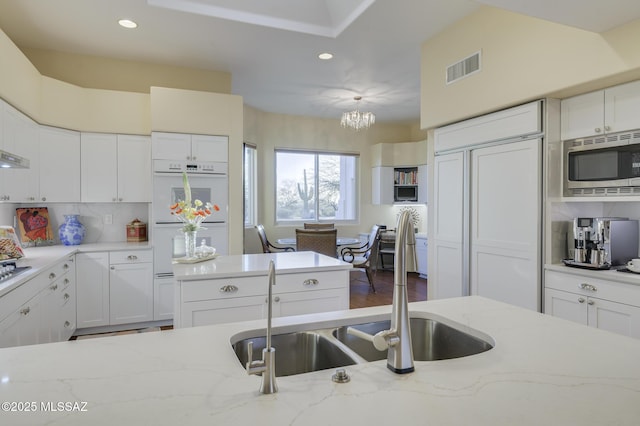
(223,288)
(304,281)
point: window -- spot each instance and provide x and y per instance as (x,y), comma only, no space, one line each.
(249,166)
(315,186)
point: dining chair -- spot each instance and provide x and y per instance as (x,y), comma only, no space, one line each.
(323,241)
(267,247)
(365,257)
(319,226)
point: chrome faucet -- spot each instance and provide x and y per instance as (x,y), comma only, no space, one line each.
(398,338)
(267,365)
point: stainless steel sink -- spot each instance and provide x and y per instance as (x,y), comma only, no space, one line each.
(325,348)
(297,353)
(431,340)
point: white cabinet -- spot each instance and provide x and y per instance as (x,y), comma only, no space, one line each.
(114,287)
(421,256)
(59,165)
(179,146)
(130,286)
(399,184)
(163,289)
(46,308)
(92,289)
(115,168)
(603,304)
(19,135)
(605,111)
(214,301)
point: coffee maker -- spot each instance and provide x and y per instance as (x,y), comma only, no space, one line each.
(602,241)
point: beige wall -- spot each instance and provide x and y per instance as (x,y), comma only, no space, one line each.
(523,59)
(19,79)
(129,76)
(270,131)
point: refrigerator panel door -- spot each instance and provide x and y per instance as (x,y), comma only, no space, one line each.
(505,222)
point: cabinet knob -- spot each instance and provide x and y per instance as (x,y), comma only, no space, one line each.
(597,130)
(67,324)
(52,276)
(310,281)
(44,198)
(54,287)
(607,128)
(25,311)
(588,287)
(114,199)
(66,281)
(120,199)
(66,296)
(132,257)
(277,299)
(65,266)
(591,302)
(581,300)
(228,289)
(113,268)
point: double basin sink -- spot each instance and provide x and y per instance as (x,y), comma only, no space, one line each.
(303,351)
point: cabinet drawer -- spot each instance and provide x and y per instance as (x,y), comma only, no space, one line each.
(131,256)
(224,288)
(595,287)
(286,283)
(57,271)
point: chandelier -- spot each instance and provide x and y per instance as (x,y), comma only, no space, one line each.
(357,120)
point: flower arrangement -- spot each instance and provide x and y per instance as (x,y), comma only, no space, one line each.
(191,215)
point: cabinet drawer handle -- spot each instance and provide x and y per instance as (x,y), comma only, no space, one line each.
(65,266)
(25,311)
(591,302)
(277,299)
(132,257)
(66,281)
(52,276)
(67,324)
(598,130)
(581,300)
(310,281)
(607,128)
(66,296)
(588,287)
(228,289)
(54,287)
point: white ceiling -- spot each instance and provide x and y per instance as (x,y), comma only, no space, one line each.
(270,47)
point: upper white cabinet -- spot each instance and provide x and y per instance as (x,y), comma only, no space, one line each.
(605,111)
(115,168)
(19,135)
(179,146)
(59,165)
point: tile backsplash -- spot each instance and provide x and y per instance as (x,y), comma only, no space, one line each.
(94,216)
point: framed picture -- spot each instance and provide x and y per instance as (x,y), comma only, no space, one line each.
(34,225)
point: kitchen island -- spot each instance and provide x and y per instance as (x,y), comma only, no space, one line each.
(542,371)
(233,288)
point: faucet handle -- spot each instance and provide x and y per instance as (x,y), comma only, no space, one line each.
(254,367)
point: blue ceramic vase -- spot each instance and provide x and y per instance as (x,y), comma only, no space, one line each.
(71,232)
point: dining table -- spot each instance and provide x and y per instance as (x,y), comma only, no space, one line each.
(341,241)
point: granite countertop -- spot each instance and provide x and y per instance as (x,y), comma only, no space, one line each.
(542,371)
(607,274)
(43,257)
(257,265)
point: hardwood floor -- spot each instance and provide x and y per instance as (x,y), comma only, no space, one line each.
(362,296)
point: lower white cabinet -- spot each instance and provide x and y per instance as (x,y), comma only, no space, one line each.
(47,308)
(114,287)
(604,304)
(214,301)
(421,256)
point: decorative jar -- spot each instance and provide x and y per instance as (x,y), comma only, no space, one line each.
(71,232)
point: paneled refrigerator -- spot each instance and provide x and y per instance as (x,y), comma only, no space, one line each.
(487,208)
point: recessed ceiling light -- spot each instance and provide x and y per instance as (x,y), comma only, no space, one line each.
(325,56)
(127,23)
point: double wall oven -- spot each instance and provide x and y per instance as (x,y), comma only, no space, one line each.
(209,183)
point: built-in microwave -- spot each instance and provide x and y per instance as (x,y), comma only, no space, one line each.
(602,165)
(405,193)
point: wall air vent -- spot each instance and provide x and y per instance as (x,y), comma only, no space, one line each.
(464,68)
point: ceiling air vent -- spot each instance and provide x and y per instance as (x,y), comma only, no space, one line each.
(464,68)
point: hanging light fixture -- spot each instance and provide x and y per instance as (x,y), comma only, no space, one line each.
(357,120)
